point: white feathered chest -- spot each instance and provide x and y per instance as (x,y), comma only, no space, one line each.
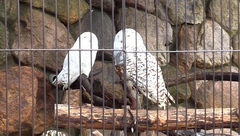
(79,60)
(142,67)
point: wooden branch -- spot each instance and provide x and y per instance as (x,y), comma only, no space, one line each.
(202,75)
(112,94)
(116,91)
(155,120)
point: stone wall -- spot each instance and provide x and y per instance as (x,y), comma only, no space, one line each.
(190,35)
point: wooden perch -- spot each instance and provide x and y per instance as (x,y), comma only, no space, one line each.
(70,116)
(112,94)
(202,75)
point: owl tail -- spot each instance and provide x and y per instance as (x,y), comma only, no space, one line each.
(170,97)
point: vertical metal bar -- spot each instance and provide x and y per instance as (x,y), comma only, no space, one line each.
(213,69)
(195,67)
(56,61)
(44,64)
(113,62)
(68,93)
(145,52)
(80,82)
(6,65)
(204,65)
(176,18)
(135,23)
(230,65)
(124,45)
(157,49)
(90,4)
(102,37)
(238,53)
(186,58)
(221,13)
(167,72)
(19,68)
(32,66)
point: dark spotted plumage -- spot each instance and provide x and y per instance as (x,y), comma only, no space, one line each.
(142,66)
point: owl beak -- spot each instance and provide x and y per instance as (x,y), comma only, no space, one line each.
(52,77)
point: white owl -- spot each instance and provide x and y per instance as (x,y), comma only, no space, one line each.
(79,60)
(54,133)
(141,65)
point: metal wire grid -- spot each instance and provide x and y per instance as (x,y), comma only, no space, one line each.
(112,15)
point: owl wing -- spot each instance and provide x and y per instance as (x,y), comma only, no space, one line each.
(144,70)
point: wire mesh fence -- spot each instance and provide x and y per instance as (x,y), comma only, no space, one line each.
(119,67)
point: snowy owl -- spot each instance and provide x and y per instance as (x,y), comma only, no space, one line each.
(141,66)
(78,62)
(54,133)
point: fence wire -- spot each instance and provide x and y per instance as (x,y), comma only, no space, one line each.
(119,67)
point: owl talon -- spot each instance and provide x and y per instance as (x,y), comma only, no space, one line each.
(133,127)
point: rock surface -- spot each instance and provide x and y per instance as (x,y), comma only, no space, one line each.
(108,5)
(108,71)
(102,26)
(149,31)
(180,92)
(44,106)
(22,95)
(222,132)
(161,12)
(222,12)
(236,46)
(11,11)
(152,133)
(145,5)
(65,14)
(213,37)
(3,43)
(72,97)
(218,94)
(32,38)
(187,40)
(190,11)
